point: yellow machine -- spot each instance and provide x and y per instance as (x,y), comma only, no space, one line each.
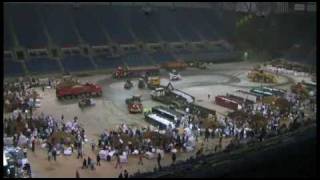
(153,82)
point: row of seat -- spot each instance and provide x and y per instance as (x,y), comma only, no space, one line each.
(33,24)
(77,63)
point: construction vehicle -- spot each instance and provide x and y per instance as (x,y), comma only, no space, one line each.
(171,96)
(128,84)
(141,83)
(174,75)
(86,102)
(153,82)
(72,89)
(175,65)
(134,104)
(123,72)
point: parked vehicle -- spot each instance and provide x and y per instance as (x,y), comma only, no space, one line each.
(134,104)
(75,91)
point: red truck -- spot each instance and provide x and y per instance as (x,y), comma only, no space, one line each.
(227,102)
(122,72)
(78,90)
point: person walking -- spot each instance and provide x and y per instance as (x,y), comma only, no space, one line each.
(93,146)
(118,161)
(33,145)
(84,164)
(140,158)
(206,135)
(174,157)
(120,175)
(125,174)
(54,154)
(77,174)
(98,160)
(158,160)
(49,155)
(89,161)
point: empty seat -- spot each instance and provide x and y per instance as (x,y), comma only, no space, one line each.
(8,39)
(12,68)
(164,23)
(137,59)
(141,24)
(110,19)
(27,25)
(75,63)
(107,62)
(88,26)
(59,24)
(42,65)
(162,57)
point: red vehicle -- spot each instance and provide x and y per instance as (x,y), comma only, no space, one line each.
(134,104)
(135,71)
(78,90)
(227,102)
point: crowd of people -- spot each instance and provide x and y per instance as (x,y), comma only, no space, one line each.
(121,142)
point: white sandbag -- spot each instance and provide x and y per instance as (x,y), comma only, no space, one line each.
(103,154)
(150,155)
(123,159)
(189,149)
(111,153)
(67,151)
(174,150)
(135,152)
(23,140)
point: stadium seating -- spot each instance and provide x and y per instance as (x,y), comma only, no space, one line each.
(140,23)
(12,68)
(107,62)
(88,26)
(112,22)
(162,57)
(8,40)
(27,25)
(164,24)
(201,24)
(137,59)
(42,65)
(63,34)
(75,63)
(184,26)
(183,54)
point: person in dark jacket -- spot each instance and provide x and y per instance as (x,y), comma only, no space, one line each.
(54,154)
(89,161)
(125,174)
(84,164)
(120,175)
(174,157)
(77,174)
(158,160)
(98,159)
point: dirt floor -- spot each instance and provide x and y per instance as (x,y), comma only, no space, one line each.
(110,110)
